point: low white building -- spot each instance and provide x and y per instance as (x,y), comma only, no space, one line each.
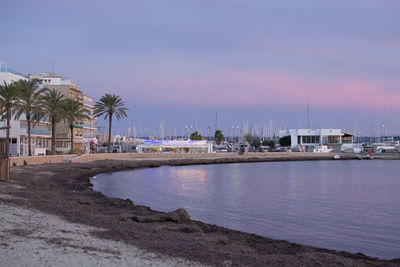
(40,133)
(18,131)
(308,139)
(178,146)
(9,76)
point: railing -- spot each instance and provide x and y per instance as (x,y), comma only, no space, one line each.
(90,125)
(36,150)
(39,131)
(87,102)
(88,135)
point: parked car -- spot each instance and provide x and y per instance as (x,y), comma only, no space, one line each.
(296,149)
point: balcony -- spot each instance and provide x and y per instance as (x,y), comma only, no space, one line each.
(87,102)
(88,135)
(89,125)
(39,131)
(78,125)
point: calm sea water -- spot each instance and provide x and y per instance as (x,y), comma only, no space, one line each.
(343,205)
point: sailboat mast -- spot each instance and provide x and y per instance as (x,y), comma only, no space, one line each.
(308,116)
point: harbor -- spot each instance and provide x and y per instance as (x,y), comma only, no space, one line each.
(200,133)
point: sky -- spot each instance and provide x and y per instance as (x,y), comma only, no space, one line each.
(251,61)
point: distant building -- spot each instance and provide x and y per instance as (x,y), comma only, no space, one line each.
(307,139)
(176,146)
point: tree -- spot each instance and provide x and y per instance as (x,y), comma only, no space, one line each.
(52,108)
(108,106)
(74,113)
(218,137)
(285,141)
(9,94)
(196,136)
(28,103)
(248,137)
(269,143)
(254,141)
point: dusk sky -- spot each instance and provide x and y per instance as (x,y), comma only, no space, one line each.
(251,60)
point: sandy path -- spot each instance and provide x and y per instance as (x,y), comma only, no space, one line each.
(33,238)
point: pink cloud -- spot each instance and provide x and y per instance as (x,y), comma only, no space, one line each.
(241,89)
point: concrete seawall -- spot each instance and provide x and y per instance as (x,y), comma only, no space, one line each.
(38,160)
(252,156)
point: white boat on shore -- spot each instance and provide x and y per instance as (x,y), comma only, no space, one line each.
(368,156)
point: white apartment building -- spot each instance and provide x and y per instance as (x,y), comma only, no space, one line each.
(307,139)
(40,133)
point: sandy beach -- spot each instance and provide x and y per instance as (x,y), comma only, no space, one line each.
(51,216)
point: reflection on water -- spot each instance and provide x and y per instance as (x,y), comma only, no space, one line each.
(197,176)
(343,205)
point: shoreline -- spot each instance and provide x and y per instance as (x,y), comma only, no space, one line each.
(84,158)
(64,190)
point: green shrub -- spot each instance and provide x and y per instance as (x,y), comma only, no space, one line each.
(285,141)
(25,163)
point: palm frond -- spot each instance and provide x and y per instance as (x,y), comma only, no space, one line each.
(52,105)
(108,105)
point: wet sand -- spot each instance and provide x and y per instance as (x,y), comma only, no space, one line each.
(64,190)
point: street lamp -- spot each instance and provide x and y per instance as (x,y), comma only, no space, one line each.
(188,127)
(234,131)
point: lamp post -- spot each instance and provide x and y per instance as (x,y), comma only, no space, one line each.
(188,127)
(209,133)
(234,128)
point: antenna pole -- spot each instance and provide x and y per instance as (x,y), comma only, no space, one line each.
(308,116)
(216,120)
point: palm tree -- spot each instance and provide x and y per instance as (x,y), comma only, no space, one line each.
(108,106)
(28,103)
(52,108)
(74,112)
(218,137)
(8,97)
